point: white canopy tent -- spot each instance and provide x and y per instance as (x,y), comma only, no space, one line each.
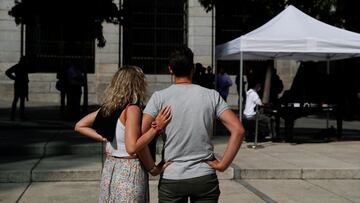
(291,35)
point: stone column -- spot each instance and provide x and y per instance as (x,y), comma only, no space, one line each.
(9,48)
(199,32)
(106,61)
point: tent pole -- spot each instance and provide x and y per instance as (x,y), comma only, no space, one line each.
(240,85)
(328,66)
(22,39)
(328,75)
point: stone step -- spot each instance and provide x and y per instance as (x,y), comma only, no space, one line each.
(57,148)
(45,142)
(88,168)
(30,142)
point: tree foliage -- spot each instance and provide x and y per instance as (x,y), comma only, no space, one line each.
(340,13)
(91,12)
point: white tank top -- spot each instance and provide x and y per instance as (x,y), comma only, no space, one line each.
(117,146)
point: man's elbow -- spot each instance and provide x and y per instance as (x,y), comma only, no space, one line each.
(239,131)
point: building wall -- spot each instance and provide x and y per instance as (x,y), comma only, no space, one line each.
(9,47)
(42,85)
(200,41)
(106,63)
(199,32)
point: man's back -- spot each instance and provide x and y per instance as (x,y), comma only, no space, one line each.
(188,135)
(188,149)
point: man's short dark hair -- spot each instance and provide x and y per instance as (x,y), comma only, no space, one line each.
(181,61)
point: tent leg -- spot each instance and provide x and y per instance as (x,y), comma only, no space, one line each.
(328,74)
(240,85)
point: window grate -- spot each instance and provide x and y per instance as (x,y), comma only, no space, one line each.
(153,29)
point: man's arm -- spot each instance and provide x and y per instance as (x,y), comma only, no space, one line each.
(257,99)
(146,122)
(145,155)
(233,124)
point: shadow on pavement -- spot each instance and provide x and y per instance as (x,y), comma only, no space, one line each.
(45,141)
(321,135)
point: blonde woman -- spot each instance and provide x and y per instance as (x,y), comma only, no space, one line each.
(118,123)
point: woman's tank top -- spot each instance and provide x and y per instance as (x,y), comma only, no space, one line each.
(117,146)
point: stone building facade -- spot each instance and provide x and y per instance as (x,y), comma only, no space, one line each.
(200,31)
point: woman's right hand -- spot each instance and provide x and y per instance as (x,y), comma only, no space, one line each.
(162,119)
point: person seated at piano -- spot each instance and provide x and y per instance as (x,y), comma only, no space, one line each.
(249,119)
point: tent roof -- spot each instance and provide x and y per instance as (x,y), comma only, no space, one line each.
(292,35)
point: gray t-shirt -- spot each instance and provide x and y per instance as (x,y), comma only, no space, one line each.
(188,135)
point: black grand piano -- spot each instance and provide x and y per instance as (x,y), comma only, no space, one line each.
(312,93)
(293,110)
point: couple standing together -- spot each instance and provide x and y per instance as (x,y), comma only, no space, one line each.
(184,114)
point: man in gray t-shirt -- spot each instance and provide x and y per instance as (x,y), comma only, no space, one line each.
(188,136)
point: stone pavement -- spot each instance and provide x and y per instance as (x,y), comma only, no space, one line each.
(43,160)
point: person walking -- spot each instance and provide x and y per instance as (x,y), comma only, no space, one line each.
(118,124)
(187,138)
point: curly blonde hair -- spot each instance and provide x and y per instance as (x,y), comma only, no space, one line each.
(127,86)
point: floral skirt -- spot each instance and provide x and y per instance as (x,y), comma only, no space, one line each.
(124,180)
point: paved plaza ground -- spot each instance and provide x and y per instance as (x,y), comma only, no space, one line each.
(43,160)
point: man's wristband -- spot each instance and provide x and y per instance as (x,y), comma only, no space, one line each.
(152,169)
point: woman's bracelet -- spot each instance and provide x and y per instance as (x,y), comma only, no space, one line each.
(155,127)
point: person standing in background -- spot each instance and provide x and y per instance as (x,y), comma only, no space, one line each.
(19,74)
(62,86)
(223,83)
(75,82)
(209,78)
